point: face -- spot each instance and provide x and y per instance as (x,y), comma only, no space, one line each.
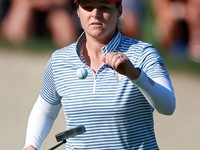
(99,18)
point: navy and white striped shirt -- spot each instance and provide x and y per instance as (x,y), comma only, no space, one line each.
(114,112)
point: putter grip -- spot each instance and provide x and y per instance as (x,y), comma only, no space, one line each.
(70,133)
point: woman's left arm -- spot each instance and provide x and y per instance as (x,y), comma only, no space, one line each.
(158,92)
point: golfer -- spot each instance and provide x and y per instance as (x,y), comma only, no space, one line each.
(126,82)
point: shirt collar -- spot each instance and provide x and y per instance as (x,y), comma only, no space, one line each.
(110,47)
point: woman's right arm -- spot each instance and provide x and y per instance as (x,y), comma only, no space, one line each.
(40,122)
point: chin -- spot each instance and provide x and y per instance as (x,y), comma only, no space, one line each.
(97,33)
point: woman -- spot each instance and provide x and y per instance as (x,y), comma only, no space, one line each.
(126,81)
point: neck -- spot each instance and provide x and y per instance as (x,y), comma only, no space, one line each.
(94,44)
(93,55)
(94,48)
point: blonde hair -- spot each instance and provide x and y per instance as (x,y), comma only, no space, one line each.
(120,24)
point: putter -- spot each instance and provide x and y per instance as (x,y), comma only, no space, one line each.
(68,134)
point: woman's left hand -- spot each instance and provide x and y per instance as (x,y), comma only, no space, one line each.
(121,64)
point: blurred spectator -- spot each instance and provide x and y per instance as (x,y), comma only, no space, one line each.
(4,5)
(57,18)
(178,26)
(133,13)
(29,17)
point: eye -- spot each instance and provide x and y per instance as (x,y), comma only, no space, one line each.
(87,7)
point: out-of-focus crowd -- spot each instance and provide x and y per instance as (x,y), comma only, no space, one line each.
(178,26)
(21,19)
(177,22)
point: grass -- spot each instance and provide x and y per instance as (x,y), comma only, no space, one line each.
(45,44)
(33,44)
(182,64)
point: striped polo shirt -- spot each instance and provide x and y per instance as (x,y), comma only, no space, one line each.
(114,112)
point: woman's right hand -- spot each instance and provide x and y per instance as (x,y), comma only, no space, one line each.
(30,148)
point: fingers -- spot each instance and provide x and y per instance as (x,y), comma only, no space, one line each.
(114,59)
(120,63)
(104,59)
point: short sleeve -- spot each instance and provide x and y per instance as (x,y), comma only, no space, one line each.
(152,63)
(48,89)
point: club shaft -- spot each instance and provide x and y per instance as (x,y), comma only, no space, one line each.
(63,142)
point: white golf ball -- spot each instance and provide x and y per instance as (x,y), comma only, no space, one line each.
(81,73)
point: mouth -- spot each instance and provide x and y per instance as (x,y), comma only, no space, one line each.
(96,24)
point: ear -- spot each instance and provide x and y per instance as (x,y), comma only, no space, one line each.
(120,11)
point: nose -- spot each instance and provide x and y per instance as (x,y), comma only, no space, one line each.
(95,13)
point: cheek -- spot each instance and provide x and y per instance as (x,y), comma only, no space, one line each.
(84,19)
(111,19)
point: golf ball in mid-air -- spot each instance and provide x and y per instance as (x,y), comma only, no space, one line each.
(81,73)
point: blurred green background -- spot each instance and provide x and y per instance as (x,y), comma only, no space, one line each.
(147,34)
